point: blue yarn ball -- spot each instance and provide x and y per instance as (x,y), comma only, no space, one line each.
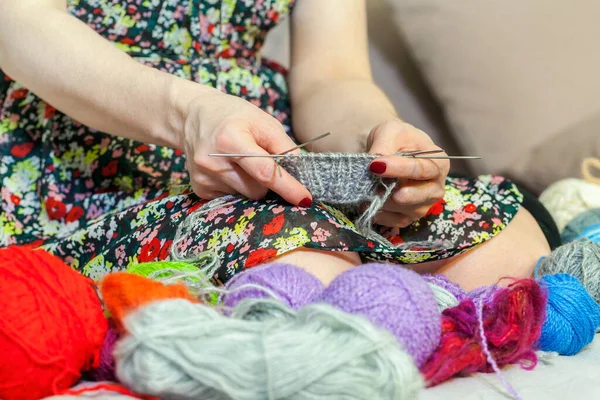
(572,316)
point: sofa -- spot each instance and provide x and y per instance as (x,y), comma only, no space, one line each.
(514,81)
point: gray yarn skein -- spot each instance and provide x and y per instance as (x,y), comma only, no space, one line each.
(179,350)
(580,259)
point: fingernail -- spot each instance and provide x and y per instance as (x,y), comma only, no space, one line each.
(306,202)
(377,167)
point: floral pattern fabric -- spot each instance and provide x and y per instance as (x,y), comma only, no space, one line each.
(103,203)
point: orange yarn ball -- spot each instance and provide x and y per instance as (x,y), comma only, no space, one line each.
(124,292)
(51,327)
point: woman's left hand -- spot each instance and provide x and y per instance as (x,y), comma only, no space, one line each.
(421,182)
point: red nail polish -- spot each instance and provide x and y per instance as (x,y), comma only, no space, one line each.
(377,167)
(306,202)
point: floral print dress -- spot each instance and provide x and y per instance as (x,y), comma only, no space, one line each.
(102,202)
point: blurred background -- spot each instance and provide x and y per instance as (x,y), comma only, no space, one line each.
(513,81)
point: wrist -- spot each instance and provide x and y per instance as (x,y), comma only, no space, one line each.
(180,93)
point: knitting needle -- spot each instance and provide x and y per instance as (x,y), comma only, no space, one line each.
(295,155)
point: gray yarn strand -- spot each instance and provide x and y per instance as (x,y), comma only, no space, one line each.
(175,349)
(185,227)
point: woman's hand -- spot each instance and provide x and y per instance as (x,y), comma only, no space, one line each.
(220,123)
(421,181)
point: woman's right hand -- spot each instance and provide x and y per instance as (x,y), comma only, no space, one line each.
(219,123)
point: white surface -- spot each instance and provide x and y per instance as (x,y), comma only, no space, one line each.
(565,378)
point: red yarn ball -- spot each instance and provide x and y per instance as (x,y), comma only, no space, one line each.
(51,327)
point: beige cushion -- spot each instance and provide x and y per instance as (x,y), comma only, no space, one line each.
(515,78)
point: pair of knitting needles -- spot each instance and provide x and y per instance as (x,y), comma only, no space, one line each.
(412,153)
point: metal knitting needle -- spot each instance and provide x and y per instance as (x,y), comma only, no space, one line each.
(447,157)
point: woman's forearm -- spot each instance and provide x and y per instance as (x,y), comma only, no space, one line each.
(348,108)
(67,64)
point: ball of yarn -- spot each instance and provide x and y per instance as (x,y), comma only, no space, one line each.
(288,283)
(394,298)
(568,198)
(584,225)
(580,259)
(106,367)
(193,277)
(177,349)
(444,298)
(511,322)
(572,316)
(52,325)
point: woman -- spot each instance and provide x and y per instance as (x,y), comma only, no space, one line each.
(144,85)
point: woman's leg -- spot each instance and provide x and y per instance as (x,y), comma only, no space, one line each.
(325,265)
(513,253)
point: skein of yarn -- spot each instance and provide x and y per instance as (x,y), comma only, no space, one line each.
(193,277)
(106,368)
(52,326)
(290,284)
(572,316)
(394,298)
(580,259)
(584,225)
(568,198)
(176,349)
(511,322)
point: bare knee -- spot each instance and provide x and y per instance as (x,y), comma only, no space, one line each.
(325,265)
(513,253)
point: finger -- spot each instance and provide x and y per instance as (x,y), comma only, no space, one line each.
(243,183)
(265,172)
(413,212)
(418,169)
(207,187)
(392,219)
(393,136)
(413,193)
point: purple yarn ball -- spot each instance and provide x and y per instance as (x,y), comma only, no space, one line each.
(393,298)
(106,368)
(291,284)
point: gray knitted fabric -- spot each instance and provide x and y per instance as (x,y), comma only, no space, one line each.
(338,179)
(342,180)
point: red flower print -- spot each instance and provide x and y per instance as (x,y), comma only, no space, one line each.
(164,252)
(259,256)
(274,226)
(150,251)
(178,153)
(396,240)
(437,208)
(169,205)
(197,206)
(55,209)
(76,173)
(244,90)
(21,150)
(370,245)
(19,94)
(211,28)
(229,248)
(142,148)
(470,208)
(75,213)
(16,200)
(128,41)
(110,169)
(49,111)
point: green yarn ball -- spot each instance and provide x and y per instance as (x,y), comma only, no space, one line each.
(178,271)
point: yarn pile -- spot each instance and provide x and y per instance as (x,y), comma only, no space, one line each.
(275,332)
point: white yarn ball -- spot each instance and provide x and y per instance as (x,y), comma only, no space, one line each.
(568,198)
